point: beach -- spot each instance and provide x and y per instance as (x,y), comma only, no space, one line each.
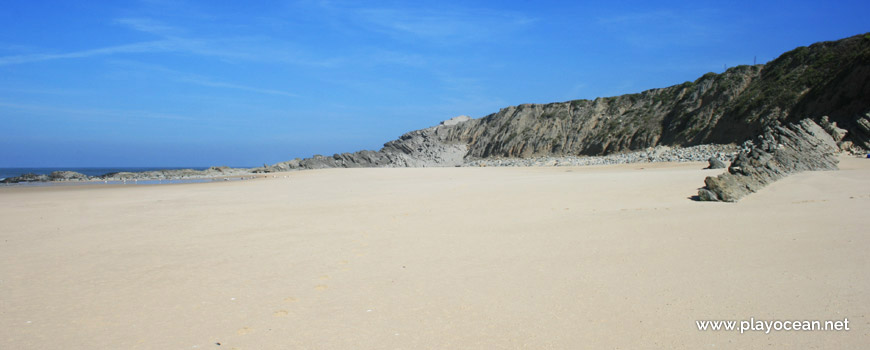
(597,257)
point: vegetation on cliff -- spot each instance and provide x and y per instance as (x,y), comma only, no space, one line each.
(827,78)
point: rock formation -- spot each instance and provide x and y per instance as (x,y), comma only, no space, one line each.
(420,148)
(29,177)
(778,152)
(715,163)
(860,134)
(828,78)
(67,176)
(172,174)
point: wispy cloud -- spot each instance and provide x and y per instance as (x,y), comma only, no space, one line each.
(435,25)
(635,18)
(442,26)
(174,40)
(192,79)
(141,47)
(147,25)
(394,57)
(195,79)
(658,28)
(43,91)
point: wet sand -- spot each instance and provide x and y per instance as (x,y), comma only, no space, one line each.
(598,257)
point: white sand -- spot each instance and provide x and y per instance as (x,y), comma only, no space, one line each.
(450,258)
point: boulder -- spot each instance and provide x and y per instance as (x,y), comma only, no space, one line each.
(715,163)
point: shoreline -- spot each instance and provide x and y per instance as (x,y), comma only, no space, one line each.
(650,155)
(141,182)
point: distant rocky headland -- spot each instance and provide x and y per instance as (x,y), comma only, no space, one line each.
(167,174)
(656,154)
(761,108)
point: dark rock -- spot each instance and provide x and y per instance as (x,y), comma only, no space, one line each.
(29,177)
(860,134)
(67,176)
(707,195)
(837,133)
(780,151)
(715,163)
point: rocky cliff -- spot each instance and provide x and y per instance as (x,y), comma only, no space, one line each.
(825,79)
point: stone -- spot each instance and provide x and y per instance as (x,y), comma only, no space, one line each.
(707,195)
(715,163)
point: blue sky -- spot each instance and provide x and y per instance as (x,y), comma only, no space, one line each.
(198,83)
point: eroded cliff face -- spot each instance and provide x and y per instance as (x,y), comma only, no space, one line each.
(825,79)
(678,115)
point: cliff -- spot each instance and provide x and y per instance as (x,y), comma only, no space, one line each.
(825,79)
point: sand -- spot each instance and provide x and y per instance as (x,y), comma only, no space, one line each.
(611,257)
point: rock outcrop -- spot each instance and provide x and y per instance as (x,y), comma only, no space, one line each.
(715,163)
(67,176)
(29,177)
(778,152)
(173,174)
(168,174)
(860,133)
(430,147)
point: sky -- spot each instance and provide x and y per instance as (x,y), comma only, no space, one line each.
(202,83)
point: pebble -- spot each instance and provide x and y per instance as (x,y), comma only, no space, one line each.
(698,153)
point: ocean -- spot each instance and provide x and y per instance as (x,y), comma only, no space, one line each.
(12,172)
